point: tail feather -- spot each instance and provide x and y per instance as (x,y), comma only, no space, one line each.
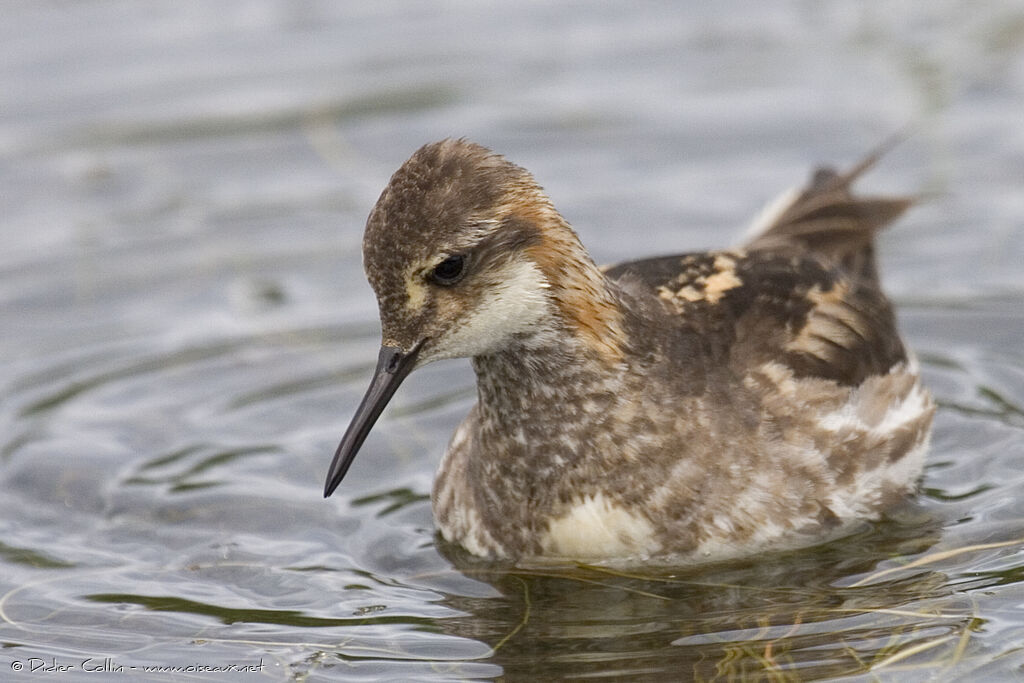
(827,218)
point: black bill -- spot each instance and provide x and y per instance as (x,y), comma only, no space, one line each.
(393,365)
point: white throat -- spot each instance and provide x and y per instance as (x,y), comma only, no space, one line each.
(516,305)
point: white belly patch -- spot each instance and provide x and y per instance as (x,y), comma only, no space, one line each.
(596,527)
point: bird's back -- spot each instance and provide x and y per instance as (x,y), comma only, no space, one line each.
(803,291)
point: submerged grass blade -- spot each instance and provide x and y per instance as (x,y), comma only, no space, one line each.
(935,557)
(522,622)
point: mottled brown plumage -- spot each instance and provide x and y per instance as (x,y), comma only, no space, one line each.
(684,407)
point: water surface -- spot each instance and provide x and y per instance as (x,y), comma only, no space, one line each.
(185,329)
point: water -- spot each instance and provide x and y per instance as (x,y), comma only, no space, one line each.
(185,329)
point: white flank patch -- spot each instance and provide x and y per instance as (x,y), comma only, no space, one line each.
(598,528)
(860,499)
(908,468)
(514,306)
(909,409)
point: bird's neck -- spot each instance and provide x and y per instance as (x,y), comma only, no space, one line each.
(534,391)
(583,300)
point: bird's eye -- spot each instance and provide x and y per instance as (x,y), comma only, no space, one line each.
(449,271)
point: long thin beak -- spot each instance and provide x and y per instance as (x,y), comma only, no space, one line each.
(393,365)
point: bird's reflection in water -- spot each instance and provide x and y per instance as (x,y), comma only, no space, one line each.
(792,613)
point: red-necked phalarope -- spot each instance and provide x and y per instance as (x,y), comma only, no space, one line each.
(702,405)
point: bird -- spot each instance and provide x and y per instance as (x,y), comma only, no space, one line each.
(684,408)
